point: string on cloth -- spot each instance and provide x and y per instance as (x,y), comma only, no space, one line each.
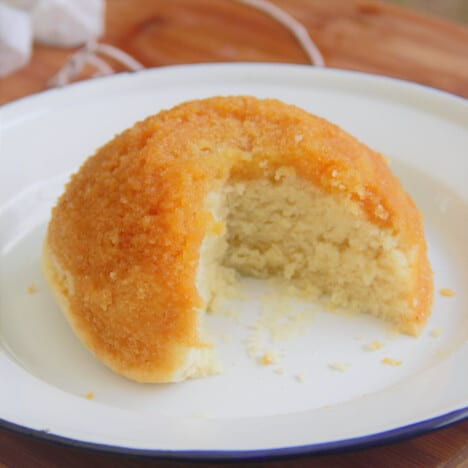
(88,55)
(295,27)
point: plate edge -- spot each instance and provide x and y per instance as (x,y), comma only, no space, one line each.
(397,434)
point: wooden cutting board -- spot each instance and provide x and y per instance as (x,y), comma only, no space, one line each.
(352,34)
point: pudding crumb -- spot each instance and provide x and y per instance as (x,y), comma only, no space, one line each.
(373,345)
(447,292)
(391,362)
(339,366)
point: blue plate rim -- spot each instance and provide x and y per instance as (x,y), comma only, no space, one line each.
(397,434)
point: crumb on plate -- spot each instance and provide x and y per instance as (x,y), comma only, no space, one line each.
(269,357)
(373,345)
(300,377)
(391,362)
(447,292)
(339,366)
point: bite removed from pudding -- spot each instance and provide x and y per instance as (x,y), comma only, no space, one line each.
(160,220)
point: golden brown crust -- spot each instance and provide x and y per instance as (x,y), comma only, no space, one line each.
(130,224)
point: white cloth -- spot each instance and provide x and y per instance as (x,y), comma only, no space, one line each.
(63,23)
(67,23)
(15,39)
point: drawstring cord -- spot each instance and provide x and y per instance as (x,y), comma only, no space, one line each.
(88,55)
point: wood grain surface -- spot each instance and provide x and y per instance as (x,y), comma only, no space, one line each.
(356,35)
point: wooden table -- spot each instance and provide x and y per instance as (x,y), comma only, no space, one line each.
(358,35)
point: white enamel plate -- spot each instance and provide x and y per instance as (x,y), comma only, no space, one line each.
(328,391)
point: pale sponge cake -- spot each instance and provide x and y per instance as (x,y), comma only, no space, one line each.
(153,226)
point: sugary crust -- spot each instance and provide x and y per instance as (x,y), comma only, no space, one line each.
(129,226)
